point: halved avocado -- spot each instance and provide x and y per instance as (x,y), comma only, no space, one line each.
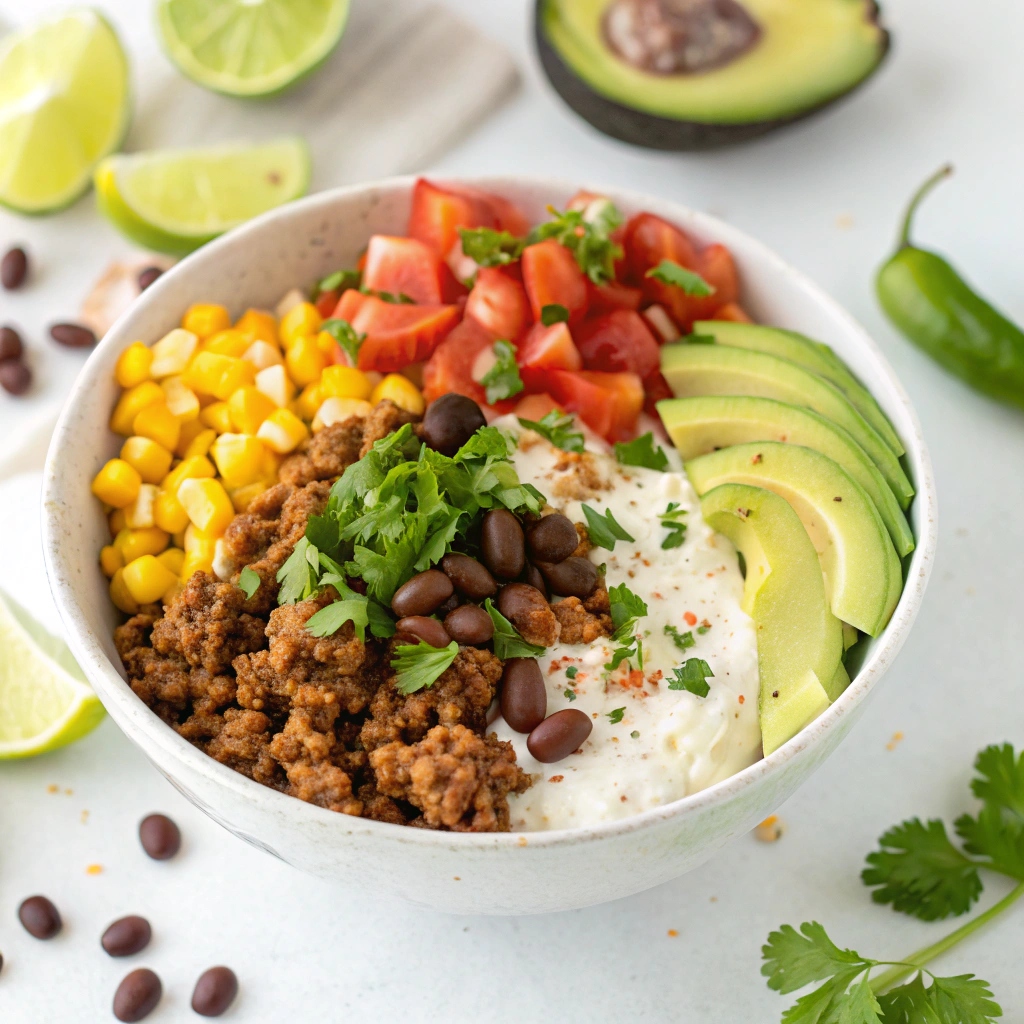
(799,640)
(703,424)
(720,370)
(699,74)
(863,577)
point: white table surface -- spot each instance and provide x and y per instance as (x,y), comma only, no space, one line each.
(825,195)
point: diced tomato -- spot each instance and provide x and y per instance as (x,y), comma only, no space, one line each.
(326,301)
(552,277)
(618,341)
(609,403)
(649,240)
(549,348)
(715,264)
(655,389)
(404,266)
(732,311)
(452,289)
(509,217)
(536,407)
(450,368)
(439,211)
(396,334)
(606,297)
(498,303)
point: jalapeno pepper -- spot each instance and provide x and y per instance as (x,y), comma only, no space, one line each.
(939,312)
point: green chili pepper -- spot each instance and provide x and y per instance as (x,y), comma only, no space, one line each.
(939,312)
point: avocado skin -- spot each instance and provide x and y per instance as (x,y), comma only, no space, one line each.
(652,132)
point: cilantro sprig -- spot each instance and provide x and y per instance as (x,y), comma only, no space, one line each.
(554,313)
(347,337)
(672,523)
(626,610)
(642,452)
(508,642)
(249,581)
(690,283)
(587,235)
(693,676)
(556,428)
(604,530)
(683,641)
(489,248)
(502,380)
(419,665)
(340,280)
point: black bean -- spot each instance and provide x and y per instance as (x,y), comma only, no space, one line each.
(517,600)
(422,594)
(73,335)
(450,422)
(572,577)
(127,936)
(14,268)
(552,539)
(524,698)
(39,917)
(502,544)
(15,377)
(559,735)
(137,995)
(10,344)
(532,575)
(470,577)
(159,836)
(215,991)
(148,276)
(419,627)
(469,624)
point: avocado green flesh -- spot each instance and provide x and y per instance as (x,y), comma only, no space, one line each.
(810,52)
(709,422)
(839,682)
(692,370)
(799,640)
(863,577)
(814,356)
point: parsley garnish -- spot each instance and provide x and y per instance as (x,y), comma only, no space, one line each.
(299,574)
(670,272)
(489,248)
(502,380)
(693,676)
(615,715)
(587,236)
(642,452)
(682,640)
(569,695)
(340,280)
(604,530)
(556,427)
(358,609)
(346,336)
(702,629)
(249,580)
(554,314)
(570,672)
(626,610)
(671,521)
(419,665)
(508,643)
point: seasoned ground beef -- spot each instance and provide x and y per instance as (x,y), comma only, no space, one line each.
(580,626)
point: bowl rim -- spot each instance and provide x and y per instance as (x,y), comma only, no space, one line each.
(149,728)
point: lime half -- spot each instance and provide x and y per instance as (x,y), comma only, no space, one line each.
(64,104)
(175,200)
(45,702)
(250,47)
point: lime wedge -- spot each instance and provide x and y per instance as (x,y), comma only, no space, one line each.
(64,104)
(175,200)
(45,702)
(250,47)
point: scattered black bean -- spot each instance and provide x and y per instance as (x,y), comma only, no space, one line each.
(419,627)
(559,735)
(552,539)
(73,335)
(450,422)
(137,995)
(518,602)
(39,917)
(15,376)
(469,624)
(422,594)
(215,991)
(148,276)
(14,268)
(10,344)
(127,936)
(524,698)
(159,836)
(470,577)
(532,575)
(572,577)
(502,544)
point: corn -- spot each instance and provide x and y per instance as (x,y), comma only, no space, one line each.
(307,404)
(210,373)
(173,559)
(217,417)
(131,403)
(239,458)
(168,513)
(117,483)
(288,302)
(149,459)
(242,497)
(115,521)
(159,424)
(198,467)
(262,354)
(190,430)
(133,364)
(335,410)
(139,514)
(121,596)
(181,400)
(227,343)
(208,506)
(282,431)
(275,383)
(200,551)
(248,408)
(258,325)
(401,391)
(110,560)
(132,544)
(327,345)
(201,443)
(345,382)
(146,579)
(171,354)
(206,319)
(301,321)
(305,361)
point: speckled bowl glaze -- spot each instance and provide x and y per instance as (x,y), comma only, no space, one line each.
(489,874)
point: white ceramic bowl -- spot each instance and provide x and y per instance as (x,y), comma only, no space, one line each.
(492,873)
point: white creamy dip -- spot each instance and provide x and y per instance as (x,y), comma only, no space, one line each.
(668,743)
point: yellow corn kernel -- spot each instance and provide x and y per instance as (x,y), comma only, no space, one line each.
(309,401)
(133,365)
(227,343)
(301,321)
(205,319)
(149,459)
(271,464)
(131,403)
(139,514)
(168,513)
(208,506)
(242,497)
(173,559)
(258,325)
(400,390)
(200,551)
(217,417)
(262,354)
(335,410)
(305,361)
(240,459)
(210,373)
(117,483)
(132,544)
(159,424)
(248,408)
(275,383)
(121,596)
(147,579)
(327,345)
(115,521)
(282,431)
(110,560)
(180,398)
(345,382)
(171,354)
(198,467)
(190,430)
(201,443)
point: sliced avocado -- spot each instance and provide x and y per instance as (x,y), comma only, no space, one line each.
(699,74)
(721,370)
(799,640)
(863,577)
(851,634)
(704,424)
(814,355)
(840,681)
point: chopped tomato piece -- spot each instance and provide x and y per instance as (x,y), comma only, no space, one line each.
(655,389)
(498,303)
(732,311)
(549,348)
(450,368)
(439,211)
(536,407)
(552,277)
(404,266)
(649,240)
(618,341)
(609,403)
(326,301)
(606,297)
(508,216)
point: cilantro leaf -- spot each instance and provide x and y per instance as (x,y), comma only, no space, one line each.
(556,428)
(298,576)
(604,530)
(554,314)
(794,959)
(569,695)
(249,580)
(489,248)
(642,452)
(624,653)
(908,1004)
(626,610)
(329,619)
(508,643)
(920,872)
(682,640)
(502,380)
(671,520)
(991,836)
(615,715)
(1001,779)
(586,234)
(693,676)
(670,272)
(419,665)
(571,672)
(340,280)
(963,999)
(397,299)
(348,339)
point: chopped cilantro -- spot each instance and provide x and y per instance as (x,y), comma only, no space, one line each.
(502,380)
(587,238)
(554,314)
(682,640)
(298,576)
(360,610)
(615,715)
(604,530)
(671,520)
(249,580)
(419,665)
(702,629)
(623,654)
(397,299)
(570,672)
(507,641)
(556,427)
(340,280)
(670,272)
(693,676)
(489,248)
(569,695)
(347,337)
(642,452)
(626,610)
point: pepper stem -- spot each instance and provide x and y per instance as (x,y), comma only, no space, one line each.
(943,172)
